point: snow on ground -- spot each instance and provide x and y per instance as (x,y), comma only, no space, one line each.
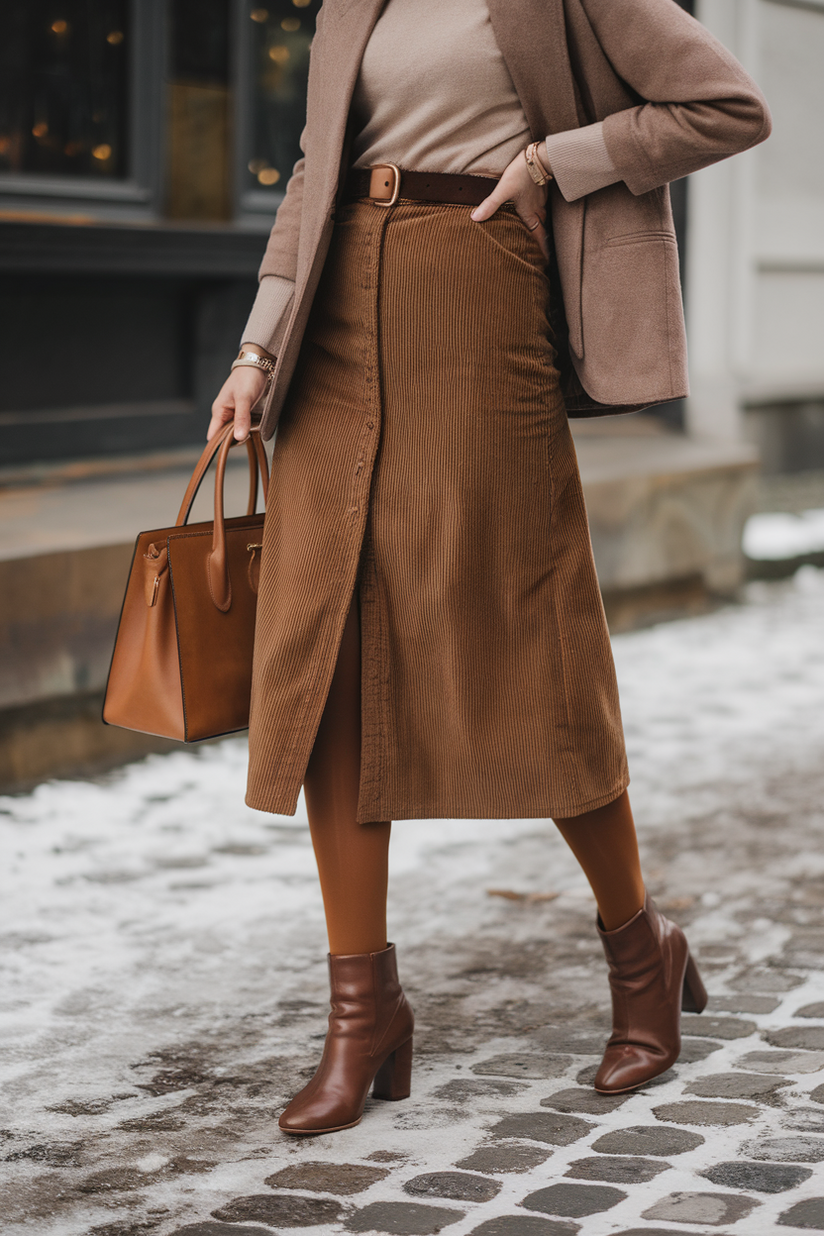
(776,535)
(159,935)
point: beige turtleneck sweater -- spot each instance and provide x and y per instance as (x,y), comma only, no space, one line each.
(434,94)
(421,105)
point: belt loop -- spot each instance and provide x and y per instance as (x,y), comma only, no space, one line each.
(396,187)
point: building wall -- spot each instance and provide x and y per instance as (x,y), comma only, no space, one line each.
(755,264)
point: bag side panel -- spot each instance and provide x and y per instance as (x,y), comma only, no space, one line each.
(143,691)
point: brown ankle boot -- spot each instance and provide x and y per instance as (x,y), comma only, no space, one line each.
(652,977)
(369,1039)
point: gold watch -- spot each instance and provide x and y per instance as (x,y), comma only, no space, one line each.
(536,167)
(265,363)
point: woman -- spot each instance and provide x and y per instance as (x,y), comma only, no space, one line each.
(431,641)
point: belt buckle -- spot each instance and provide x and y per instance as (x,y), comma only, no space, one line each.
(396,187)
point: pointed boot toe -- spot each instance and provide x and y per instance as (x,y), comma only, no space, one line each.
(651,977)
(626,1066)
(369,1041)
(305,1116)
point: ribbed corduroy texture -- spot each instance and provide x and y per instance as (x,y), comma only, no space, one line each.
(424,458)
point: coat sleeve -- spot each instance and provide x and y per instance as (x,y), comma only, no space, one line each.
(697,106)
(281,256)
(266,324)
(267,321)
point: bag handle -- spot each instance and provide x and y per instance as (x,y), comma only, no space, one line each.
(220,586)
(258,463)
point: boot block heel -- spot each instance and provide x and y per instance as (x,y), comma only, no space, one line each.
(393,1079)
(694,995)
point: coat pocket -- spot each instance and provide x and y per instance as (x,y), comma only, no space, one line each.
(631,305)
(639,238)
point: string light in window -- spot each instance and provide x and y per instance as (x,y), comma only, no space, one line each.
(60,26)
(301,4)
(115,37)
(40,129)
(279,53)
(103,152)
(266,175)
(259,15)
(290,23)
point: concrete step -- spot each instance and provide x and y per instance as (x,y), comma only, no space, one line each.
(666,516)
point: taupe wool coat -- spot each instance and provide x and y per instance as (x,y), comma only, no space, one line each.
(672,99)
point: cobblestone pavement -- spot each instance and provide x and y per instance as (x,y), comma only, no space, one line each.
(164,987)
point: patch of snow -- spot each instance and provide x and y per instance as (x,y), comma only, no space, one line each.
(151,1162)
(775,536)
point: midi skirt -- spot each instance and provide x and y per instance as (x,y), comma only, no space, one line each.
(424,470)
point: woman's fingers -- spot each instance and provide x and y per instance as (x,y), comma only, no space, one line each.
(536,222)
(221,413)
(517,186)
(243,418)
(543,239)
(236,399)
(506,190)
(490,204)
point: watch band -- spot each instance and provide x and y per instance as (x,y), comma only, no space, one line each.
(255,361)
(536,168)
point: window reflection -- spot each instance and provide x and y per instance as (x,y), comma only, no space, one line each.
(281,34)
(198,135)
(63,87)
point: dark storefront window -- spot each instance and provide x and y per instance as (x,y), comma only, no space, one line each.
(280,35)
(184,109)
(199,115)
(64,87)
(144,147)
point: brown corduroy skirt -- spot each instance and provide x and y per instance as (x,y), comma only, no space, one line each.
(424,466)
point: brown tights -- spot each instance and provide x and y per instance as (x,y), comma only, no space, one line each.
(605,844)
(353,859)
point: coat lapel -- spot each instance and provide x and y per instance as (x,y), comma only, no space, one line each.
(347,27)
(538,63)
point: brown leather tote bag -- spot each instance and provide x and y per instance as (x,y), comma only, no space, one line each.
(182,661)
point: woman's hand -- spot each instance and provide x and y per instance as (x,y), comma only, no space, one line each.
(238,395)
(517,186)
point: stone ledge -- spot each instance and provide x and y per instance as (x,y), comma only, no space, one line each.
(667,509)
(65,737)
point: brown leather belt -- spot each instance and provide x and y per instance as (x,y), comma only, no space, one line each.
(386,182)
